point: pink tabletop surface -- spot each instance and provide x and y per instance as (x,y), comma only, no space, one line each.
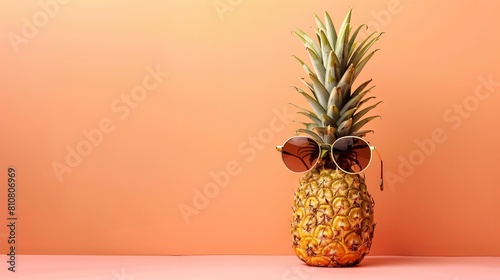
(246,267)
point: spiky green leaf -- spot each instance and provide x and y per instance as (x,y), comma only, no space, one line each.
(342,40)
(321,131)
(307,113)
(307,41)
(346,82)
(361,123)
(311,117)
(317,108)
(331,33)
(362,64)
(360,88)
(326,120)
(311,126)
(310,133)
(333,112)
(353,38)
(351,51)
(362,102)
(326,47)
(317,64)
(319,23)
(303,65)
(332,75)
(309,85)
(345,115)
(299,90)
(335,98)
(302,109)
(358,115)
(354,102)
(320,91)
(362,133)
(344,128)
(362,48)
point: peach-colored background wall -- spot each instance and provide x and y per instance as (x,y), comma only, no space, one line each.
(166,99)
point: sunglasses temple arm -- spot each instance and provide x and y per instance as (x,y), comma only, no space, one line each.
(381,169)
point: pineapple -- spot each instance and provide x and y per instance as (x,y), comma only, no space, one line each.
(333,217)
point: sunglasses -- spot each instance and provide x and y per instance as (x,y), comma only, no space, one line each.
(350,154)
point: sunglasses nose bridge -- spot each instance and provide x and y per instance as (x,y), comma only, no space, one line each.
(279,148)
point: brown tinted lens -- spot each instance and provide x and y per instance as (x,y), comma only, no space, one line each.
(351,154)
(300,154)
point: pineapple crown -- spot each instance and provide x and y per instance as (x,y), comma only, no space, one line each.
(337,62)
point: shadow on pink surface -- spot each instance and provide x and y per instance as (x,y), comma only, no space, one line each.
(243,267)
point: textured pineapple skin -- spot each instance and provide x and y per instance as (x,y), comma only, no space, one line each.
(333,220)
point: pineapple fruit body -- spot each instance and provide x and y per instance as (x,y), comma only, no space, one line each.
(333,221)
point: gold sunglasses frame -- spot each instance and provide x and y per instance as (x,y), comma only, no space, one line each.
(330,149)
